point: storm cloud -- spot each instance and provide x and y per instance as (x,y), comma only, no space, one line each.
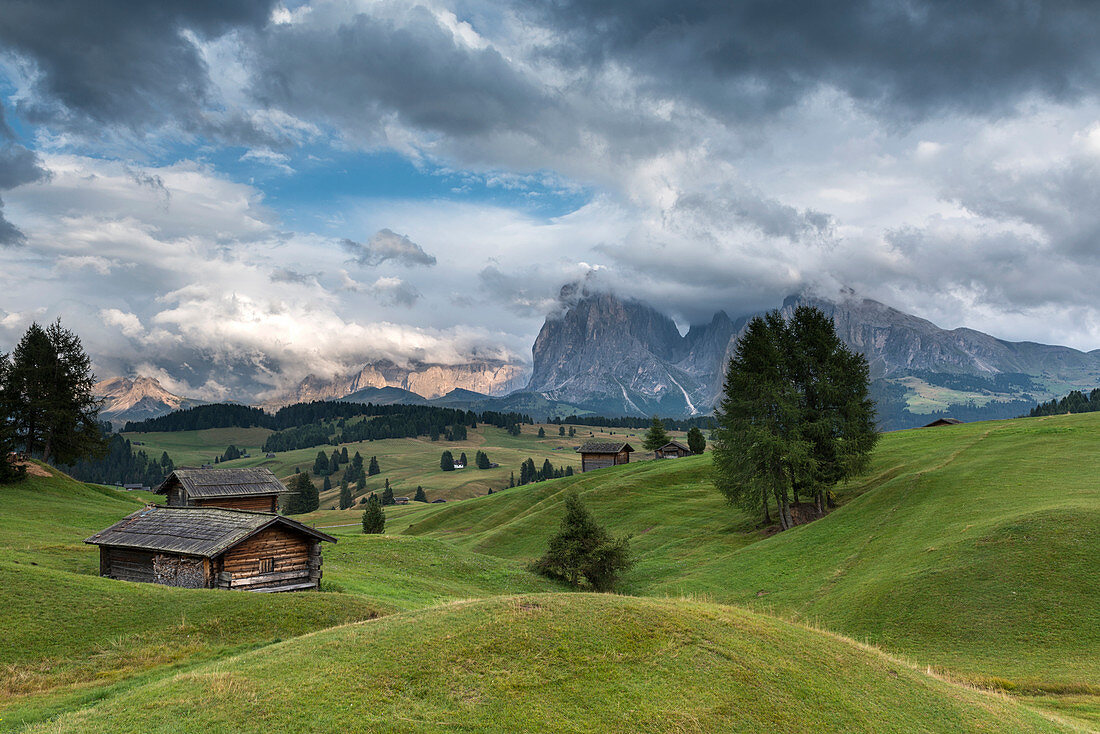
(200,176)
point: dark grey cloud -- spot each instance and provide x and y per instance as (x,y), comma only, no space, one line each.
(117,62)
(915,57)
(368,68)
(18,166)
(388,245)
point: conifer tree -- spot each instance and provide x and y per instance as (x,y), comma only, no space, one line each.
(542,432)
(547,470)
(334,461)
(305,498)
(344,455)
(373,469)
(345,495)
(10,471)
(320,464)
(374,517)
(446,461)
(569,471)
(462,459)
(655,437)
(481,460)
(561,430)
(512,480)
(46,400)
(387,495)
(583,552)
(696,442)
(326,485)
(420,496)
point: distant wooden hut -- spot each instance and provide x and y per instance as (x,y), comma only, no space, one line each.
(237,489)
(943,422)
(205,547)
(602,454)
(672,450)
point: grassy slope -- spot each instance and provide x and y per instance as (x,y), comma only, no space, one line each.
(66,634)
(971,548)
(562,662)
(193,448)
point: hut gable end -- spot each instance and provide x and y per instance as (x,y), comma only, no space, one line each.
(254,488)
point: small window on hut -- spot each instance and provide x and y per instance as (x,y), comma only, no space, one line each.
(267,565)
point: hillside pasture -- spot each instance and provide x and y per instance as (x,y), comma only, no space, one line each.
(406,462)
(560,662)
(970,548)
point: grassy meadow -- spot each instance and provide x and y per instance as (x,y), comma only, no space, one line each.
(406,462)
(963,562)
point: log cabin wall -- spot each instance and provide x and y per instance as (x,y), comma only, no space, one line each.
(591,462)
(258,503)
(272,558)
(126,564)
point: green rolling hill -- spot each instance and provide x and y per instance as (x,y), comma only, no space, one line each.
(556,663)
(971,548)
(966,557)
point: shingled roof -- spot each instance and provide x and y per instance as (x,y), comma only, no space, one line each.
(224,482)
(604,447)
(677,444)
(194,531)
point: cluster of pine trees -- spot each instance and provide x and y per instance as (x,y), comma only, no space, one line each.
(317,423)
(47,409)
(121,465)
(529,473)
(1075,402)
(795,416)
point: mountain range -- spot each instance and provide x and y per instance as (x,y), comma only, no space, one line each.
(620,356)
(604,354)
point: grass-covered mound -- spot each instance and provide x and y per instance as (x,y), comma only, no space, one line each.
(972,547)
(400,572)
(561,662)
(66,636)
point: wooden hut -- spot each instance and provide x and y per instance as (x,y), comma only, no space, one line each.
(601,454)
(943,422)
(237,489)
(206,547)
(672,450)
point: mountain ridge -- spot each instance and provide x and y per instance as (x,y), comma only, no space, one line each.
(138,398)
(620,356)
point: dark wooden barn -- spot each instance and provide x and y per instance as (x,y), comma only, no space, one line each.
(672,450)
(236,489)
(602,454)
(207,547)
(943,422)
